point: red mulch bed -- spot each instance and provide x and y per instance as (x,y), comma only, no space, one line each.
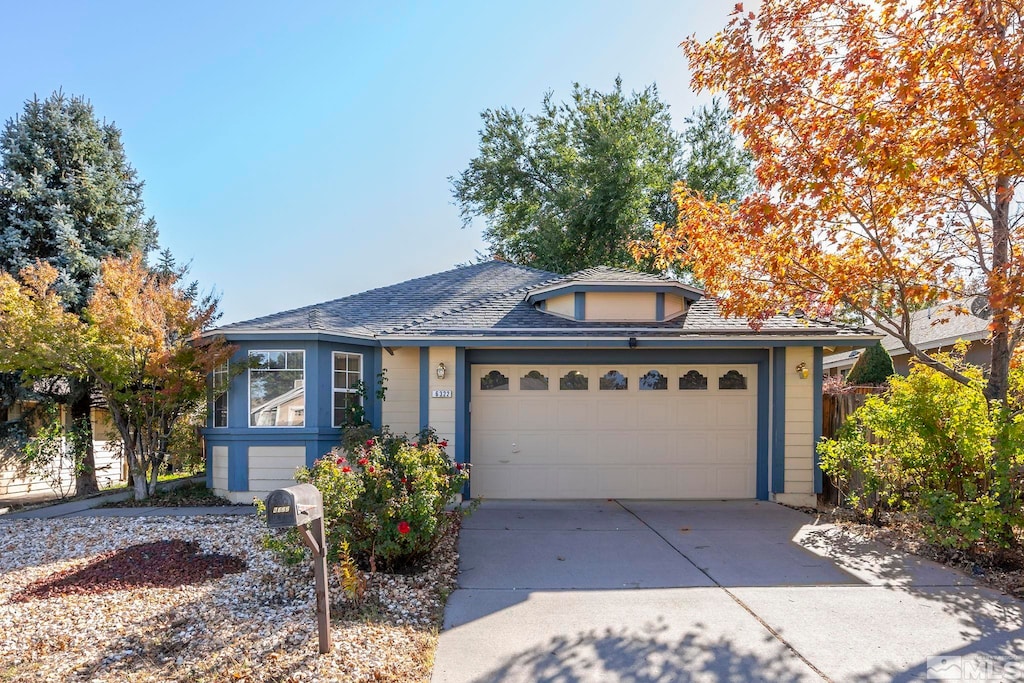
(162,564)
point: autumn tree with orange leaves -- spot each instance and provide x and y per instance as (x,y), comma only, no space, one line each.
(887,142)
(139,340)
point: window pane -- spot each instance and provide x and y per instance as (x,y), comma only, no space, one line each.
(353,380)
(613,380)
(344,401)
(533,381)
(220,411)
(653,381)
(732,380)
(354,363)
(574,380)
(693,380)
(494,381)
(294,360)
(277,397)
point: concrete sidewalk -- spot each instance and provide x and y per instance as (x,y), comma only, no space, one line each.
(705,591)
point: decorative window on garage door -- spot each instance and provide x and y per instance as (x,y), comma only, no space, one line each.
(732,380)
(494,381)
(693,381)
(574,380)
(534,380)
(653,380)
(613,380)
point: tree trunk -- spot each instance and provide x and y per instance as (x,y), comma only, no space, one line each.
(81,414)
(999,297)
(140,487)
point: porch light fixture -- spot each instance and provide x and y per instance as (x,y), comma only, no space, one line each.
(441,370)
(803,371)
(632,342)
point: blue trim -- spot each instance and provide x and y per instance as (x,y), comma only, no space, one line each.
(778,420)
(659,306)
(209,466)
(631,356)
(581,306)
(620,339)
(689,294)
(818,374)
(424,387)
(463,386)
(273,434)
(296,336)
(762,429)
(238,466)
(544,305)
(376,411)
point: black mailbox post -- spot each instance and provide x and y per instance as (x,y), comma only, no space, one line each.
(302,506)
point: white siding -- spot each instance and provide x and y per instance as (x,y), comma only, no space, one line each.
(799,422)
(273,467)
(220,470)
(401,409)
(442,410)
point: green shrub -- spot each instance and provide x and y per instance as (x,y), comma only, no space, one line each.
(873,367)
(385,499)
(933,445)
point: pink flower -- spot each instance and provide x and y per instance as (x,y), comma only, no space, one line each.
(346,468)
(369,443)
(404,528)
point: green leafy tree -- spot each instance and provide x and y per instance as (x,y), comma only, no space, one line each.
(873,367)
(570,187)
(714,162)
(68,198)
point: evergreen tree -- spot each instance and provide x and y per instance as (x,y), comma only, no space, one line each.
(873,367)
(69,198)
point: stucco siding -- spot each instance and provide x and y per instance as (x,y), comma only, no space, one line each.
(621,306)
(401,408)
(674,305)
(442,410)
(562,305)
(273,467)
(799,438)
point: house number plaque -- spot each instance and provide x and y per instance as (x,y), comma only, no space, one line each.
(441,393)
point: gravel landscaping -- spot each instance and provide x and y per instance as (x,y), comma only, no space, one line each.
(200,621)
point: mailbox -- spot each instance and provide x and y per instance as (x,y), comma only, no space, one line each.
(294,506)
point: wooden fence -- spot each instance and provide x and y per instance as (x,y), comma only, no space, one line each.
(835,411)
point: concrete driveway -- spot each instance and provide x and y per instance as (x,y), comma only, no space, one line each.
(707,591)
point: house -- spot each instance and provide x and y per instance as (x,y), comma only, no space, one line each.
(17,482)
(933,329)
(605,383)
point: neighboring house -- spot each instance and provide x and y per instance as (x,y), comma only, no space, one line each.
(15,481)
(932,329)
(604,383)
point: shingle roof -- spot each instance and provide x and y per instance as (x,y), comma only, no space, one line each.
(939,326)
(490,299)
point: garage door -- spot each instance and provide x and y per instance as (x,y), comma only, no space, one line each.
(614,431)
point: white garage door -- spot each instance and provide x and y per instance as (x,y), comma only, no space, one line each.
(614,431)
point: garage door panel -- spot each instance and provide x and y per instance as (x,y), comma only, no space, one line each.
(616,414)
(573,413)
(656,443)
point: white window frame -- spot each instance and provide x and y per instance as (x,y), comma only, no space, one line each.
(335,390)
(221,370)
(248,390)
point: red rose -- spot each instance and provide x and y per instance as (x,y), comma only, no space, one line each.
(458,466)
(442,444)
(370,469)
(339,461)
(404,480)
(346,468)
(363,461)
(369,444)
(404,528)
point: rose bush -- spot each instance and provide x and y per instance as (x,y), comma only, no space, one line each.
(385,498)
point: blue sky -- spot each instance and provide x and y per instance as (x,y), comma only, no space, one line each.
(299,152)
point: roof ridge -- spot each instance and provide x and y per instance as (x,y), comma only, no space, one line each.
(476,302)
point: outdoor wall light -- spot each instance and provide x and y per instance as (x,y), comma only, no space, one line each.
(441,370)
(803,370)
(632,342)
